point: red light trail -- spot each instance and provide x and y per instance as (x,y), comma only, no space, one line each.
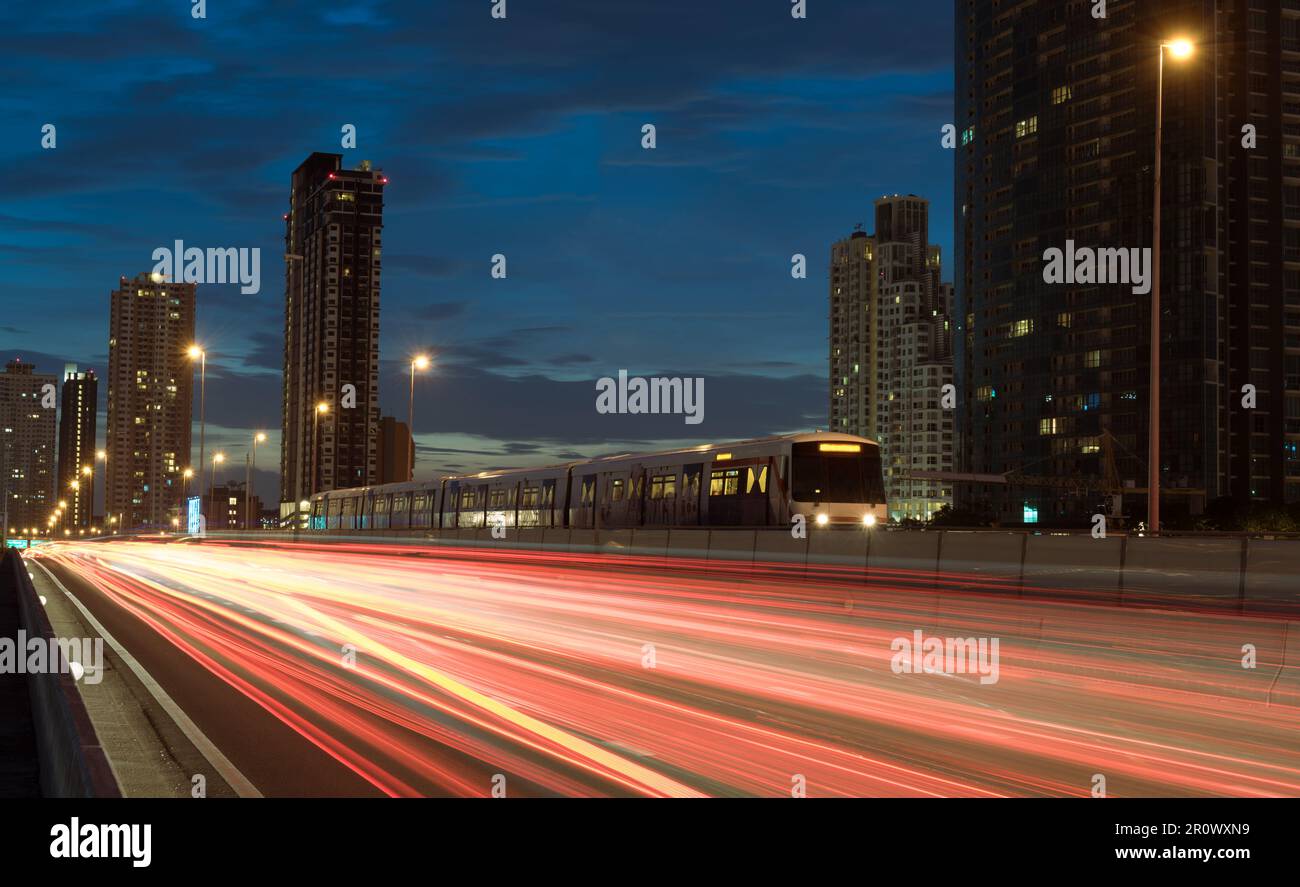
(608,676)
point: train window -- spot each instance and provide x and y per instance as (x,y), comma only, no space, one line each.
(663,486)
(335,506)
(530,498)
(758,478)
(548,493)
(467,498)
(618,490)
(381,504)
(588,490)
(499,498)
(725,482)
(421,503)
(400,502)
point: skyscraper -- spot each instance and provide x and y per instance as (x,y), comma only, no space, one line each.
(891,352)
(150,390)
(77,421)
(331,328)
(1056,111)
(28,408)
(853,302)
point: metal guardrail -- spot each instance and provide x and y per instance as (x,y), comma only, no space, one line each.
(71,762)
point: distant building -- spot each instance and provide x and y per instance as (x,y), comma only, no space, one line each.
(331,328)
(396,461)
(77,421)
(27,466)
(891,352)
(226,507)
(150,388)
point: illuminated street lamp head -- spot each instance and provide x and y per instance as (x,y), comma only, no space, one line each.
(187,473)
(1180,48)
(102,455)
(87,471)
(76,484)
(62,505)
(218,458)
(260,437)
(322,407)
(420,362)
(195,352)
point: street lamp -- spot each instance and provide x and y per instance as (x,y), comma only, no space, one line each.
(321,409)
(1180,49)
(259,437)
(217,459)
(419,362)
(197,353)
(185,482)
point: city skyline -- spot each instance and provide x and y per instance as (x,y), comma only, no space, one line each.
(610,245)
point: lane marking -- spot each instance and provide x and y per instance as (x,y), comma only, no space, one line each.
(219,762)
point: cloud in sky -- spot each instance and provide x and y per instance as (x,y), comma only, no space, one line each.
(519,137)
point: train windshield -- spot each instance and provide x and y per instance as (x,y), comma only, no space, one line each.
(835,471)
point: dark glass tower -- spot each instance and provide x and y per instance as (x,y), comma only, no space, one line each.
(1056,114)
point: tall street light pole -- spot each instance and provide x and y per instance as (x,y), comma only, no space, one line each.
(180,507)
(197,353)
(1178,49)
(321,409)
(419,362)
(248,481)
(217,459)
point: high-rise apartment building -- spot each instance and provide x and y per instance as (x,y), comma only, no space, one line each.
(891,353)
(1056,111)
(77,421)
(28,408)
(150,393)
(331,328)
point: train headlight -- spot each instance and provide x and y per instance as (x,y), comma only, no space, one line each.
(823,520)
(868,520)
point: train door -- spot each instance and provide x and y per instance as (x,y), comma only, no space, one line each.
(451,505)
(582,511)
(548,503)
(725,494)
(688,501)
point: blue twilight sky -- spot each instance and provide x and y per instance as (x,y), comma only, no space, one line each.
(519,136)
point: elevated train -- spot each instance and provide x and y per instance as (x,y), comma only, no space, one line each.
(829,478)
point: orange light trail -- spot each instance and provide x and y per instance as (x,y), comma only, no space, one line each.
(538,666)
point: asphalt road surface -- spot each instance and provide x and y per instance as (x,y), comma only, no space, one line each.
(372,670)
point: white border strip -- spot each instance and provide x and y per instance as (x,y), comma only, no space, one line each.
(219,762)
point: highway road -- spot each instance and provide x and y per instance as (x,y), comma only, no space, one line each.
(389,670)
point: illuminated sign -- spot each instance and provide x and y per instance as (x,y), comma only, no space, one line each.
(1031,514)
(840,448)
(193,516)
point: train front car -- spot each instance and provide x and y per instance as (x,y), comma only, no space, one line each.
(836,480)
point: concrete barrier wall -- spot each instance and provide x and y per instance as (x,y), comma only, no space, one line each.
(72,763)
(1198,572)
(991,561)
(1272,575)
(1080,566)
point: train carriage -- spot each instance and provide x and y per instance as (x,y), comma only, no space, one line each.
(828,478)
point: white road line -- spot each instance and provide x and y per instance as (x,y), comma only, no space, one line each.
(228,771)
